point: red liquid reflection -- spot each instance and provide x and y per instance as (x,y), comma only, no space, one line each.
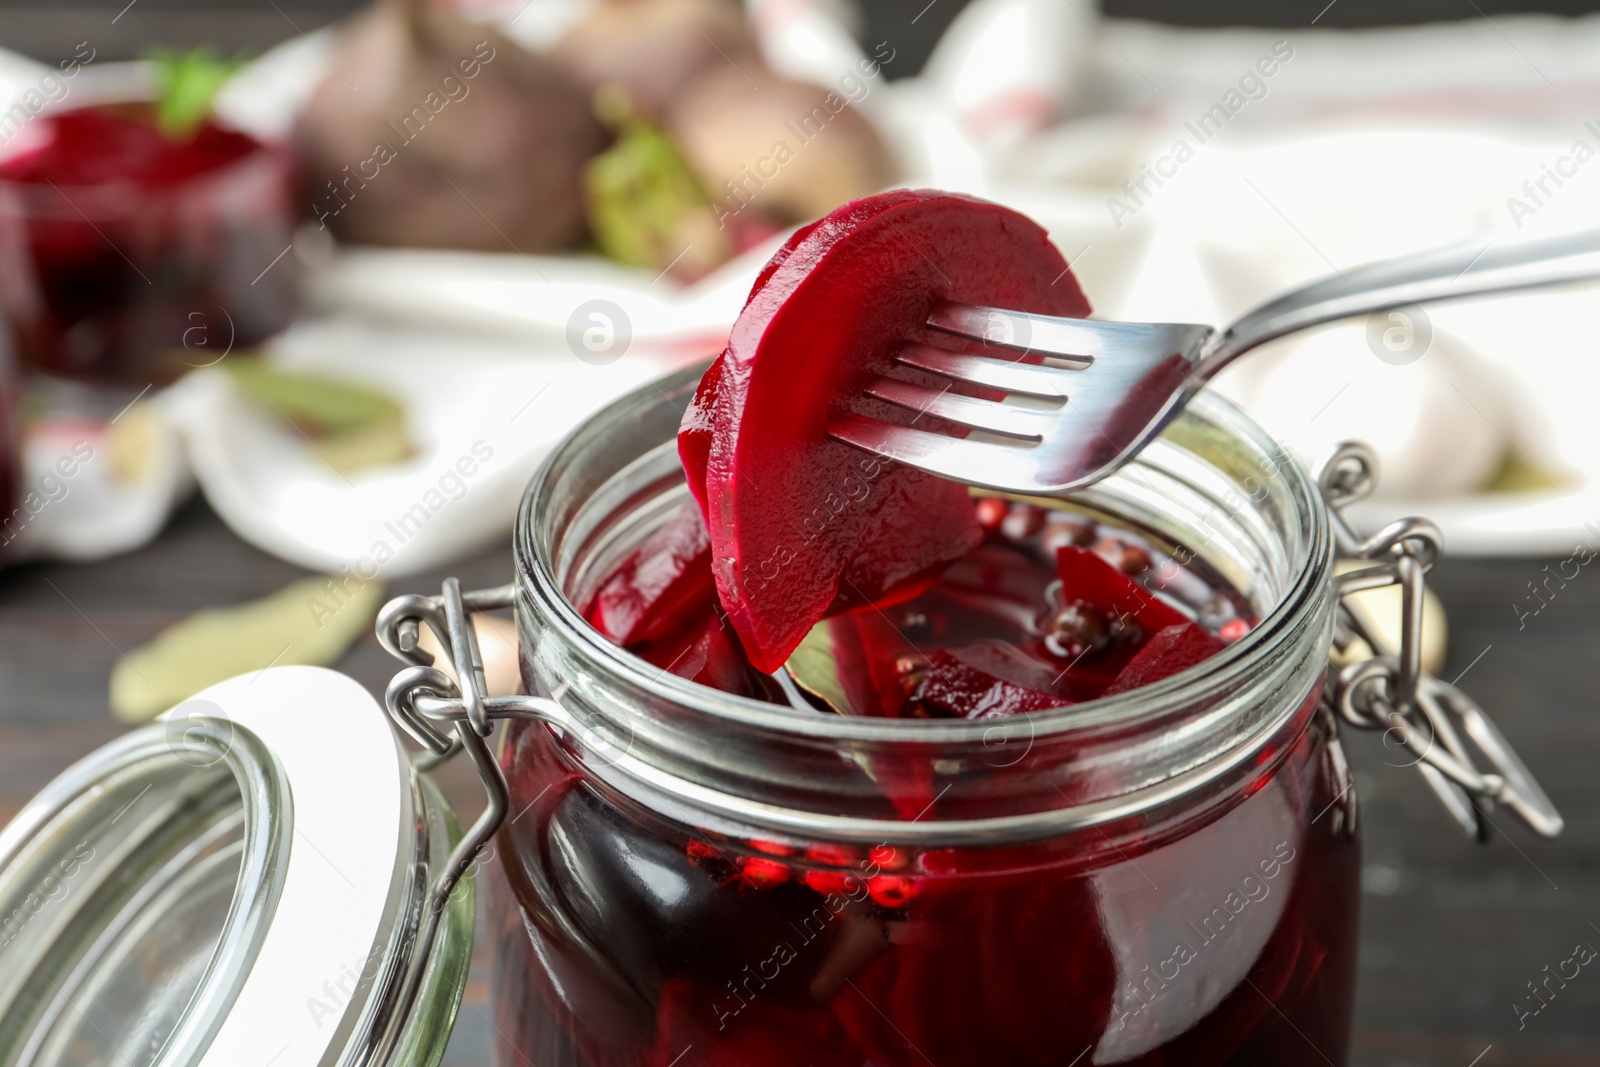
(1230,943)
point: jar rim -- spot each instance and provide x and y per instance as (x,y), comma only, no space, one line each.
(537,579)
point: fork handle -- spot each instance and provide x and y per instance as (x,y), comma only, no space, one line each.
(1448,273)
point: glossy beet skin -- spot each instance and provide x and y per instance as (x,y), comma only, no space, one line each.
(142,255)
(1219,940)
(798,521)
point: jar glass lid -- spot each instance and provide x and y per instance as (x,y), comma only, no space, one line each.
(240,882)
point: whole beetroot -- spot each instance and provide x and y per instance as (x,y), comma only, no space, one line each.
(436,133)
(769,148)
(651,49)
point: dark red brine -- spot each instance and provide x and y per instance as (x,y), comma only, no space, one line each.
(135,255)
(1050,609)
(1225,938)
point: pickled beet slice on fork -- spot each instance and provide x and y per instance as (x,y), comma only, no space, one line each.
(694,434)
(796,518)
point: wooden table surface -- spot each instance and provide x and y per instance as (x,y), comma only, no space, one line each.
(1451,932)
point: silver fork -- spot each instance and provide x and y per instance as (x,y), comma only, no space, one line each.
(1083,396)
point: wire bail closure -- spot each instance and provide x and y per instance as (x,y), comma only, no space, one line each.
(1391,692)
(429,704)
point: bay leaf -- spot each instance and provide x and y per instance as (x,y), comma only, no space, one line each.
(846,661)
(351,427)
(815,668)
(312,622)
(314,403)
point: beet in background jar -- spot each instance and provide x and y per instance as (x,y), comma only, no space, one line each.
(133,256)
(1165,876)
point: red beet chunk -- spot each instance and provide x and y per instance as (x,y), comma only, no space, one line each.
(716,660)
(796,518)
(1174,649)
(666,582)
(1087,577)
(986,681)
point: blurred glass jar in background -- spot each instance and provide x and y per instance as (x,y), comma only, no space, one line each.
(130,255)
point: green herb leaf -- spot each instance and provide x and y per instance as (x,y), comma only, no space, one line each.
(311,622)
(350,426)
(645,205)
(186,84)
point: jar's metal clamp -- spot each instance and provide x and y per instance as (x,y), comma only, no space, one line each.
(447,718)
(1422,715)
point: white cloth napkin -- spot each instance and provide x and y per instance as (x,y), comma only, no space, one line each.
(1360,145)
(482,413)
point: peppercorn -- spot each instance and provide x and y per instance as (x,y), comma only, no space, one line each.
(1022,521)
(1077,630)
(1128,558)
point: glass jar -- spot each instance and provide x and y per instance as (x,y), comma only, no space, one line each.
(112,279)
(688,877)
(1164,876)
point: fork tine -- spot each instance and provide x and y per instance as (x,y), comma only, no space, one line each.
(997,466)
(968,411)
(1075,339)
(1029,379)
